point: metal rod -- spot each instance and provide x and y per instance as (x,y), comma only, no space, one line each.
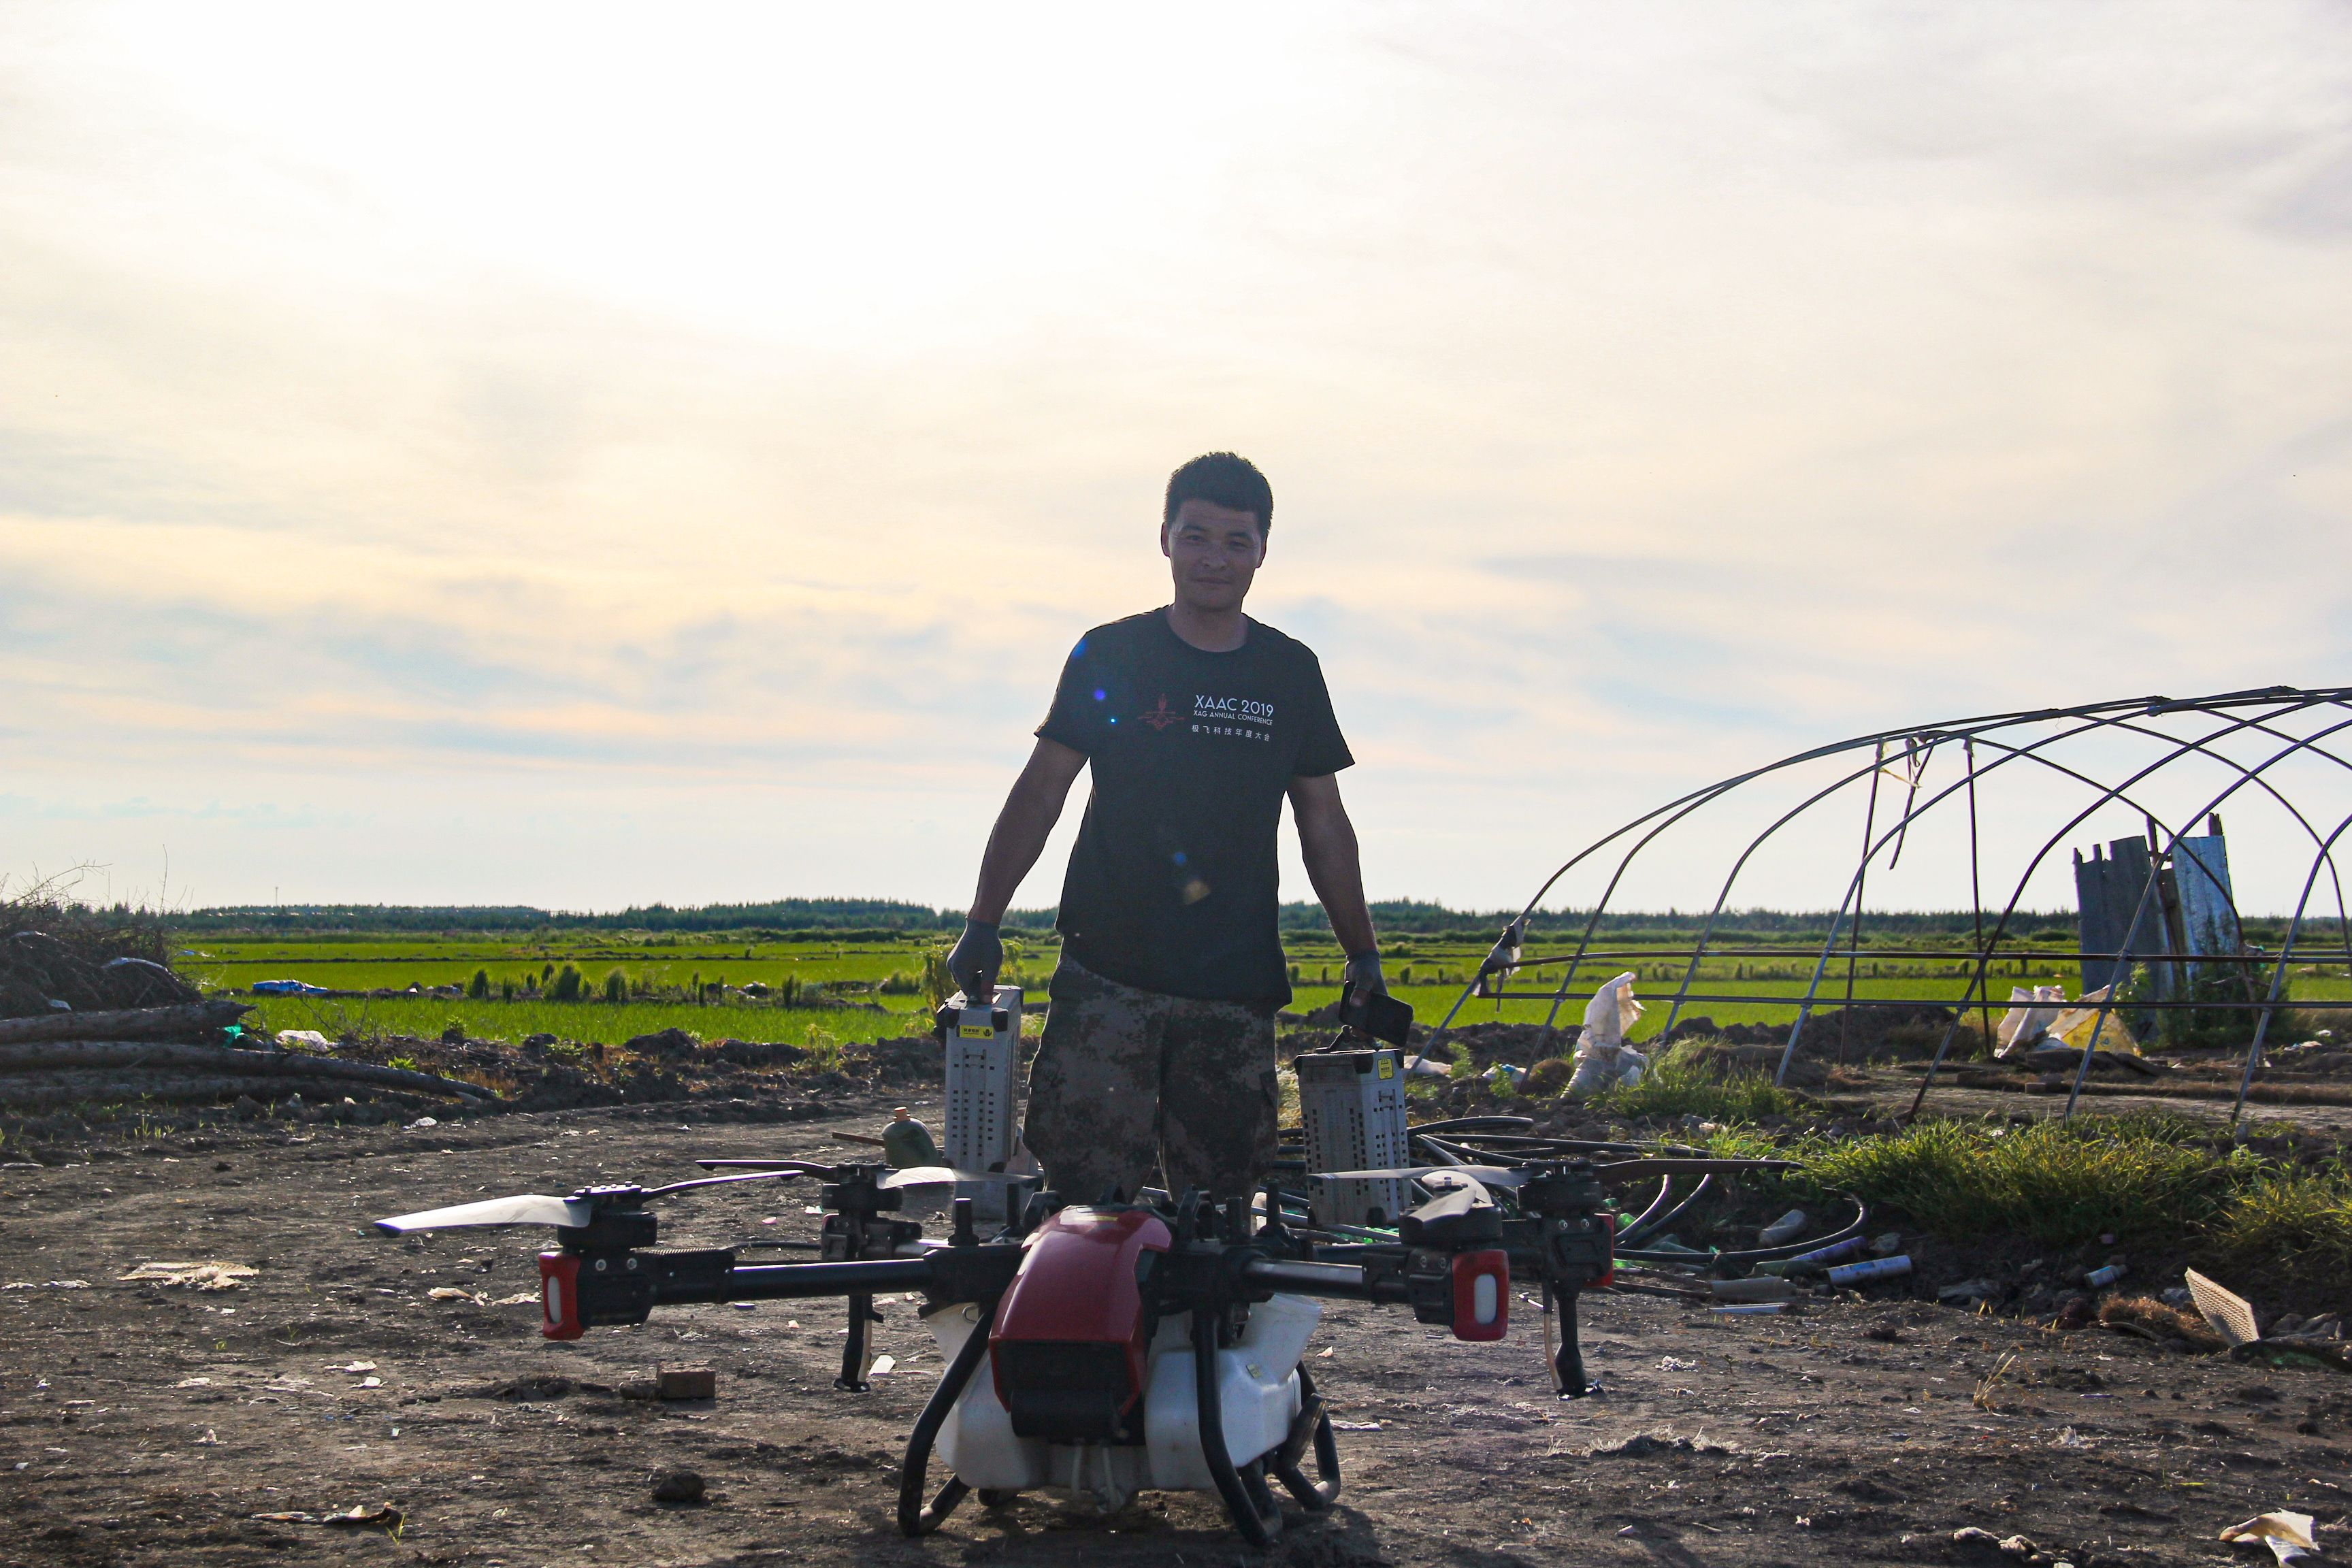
(1946,955)
(2278,975)
(1963,1002)
(2119,977)
(1976,884)
(799,1281)
(1854,937)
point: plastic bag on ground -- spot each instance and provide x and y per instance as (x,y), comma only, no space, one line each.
(2286,1533)
(1603,1060)
(2073,1027)
(2023,1024)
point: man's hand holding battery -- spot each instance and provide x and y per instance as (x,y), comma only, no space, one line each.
(974,962)
(1363,973)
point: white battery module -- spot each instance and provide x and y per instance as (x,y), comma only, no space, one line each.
(983,1093)
(1352,1103)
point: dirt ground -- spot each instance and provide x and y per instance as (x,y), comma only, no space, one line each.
(146,1424)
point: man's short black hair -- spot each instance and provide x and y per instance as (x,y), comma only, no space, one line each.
(1226,478)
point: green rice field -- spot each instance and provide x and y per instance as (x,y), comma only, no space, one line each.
(867,988)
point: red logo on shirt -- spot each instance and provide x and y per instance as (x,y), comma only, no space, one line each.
(1159,718)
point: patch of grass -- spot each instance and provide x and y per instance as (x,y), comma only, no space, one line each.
(2144,1177)
(824,1053)
(1688,1081)
(2158,1182)
(2291,1223)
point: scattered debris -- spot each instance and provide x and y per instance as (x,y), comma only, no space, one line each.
(524,1390)
(677,1487)
(1603,1060)
(2287,1534)
(2231,1315)
(1813,1262)
(384,1516)
(2025,1023)
(1641,1445)
(1784,1230)
(1870,1268)
(198,1276)
(685,1383)
(2161,1321)
(1759,1287)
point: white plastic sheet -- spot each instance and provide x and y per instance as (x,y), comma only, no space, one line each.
(1603,1060)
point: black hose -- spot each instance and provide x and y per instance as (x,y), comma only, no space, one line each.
(1761,1254)
(1209,1411)
(1313,1427)
(1635,1233)
(914,1518)
(1666,1185)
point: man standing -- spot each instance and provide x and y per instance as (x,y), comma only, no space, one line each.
(1198,721)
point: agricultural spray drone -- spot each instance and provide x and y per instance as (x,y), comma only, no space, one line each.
(1151,1343)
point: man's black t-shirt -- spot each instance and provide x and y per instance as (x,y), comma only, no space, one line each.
(1171,886)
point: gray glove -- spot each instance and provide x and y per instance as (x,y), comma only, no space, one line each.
(1363,973)
(978,954)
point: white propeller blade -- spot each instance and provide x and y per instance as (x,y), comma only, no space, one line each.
(526,1208)
(939,1176)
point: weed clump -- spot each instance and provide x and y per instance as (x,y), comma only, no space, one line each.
(2141,1177)
(2298,1222)
(1696,1078)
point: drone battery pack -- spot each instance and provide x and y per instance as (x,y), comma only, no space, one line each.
(1352,1103)
(983,1094)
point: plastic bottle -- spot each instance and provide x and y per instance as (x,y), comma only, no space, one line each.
(1870,1268)
(1820,1257)
(2099,1278)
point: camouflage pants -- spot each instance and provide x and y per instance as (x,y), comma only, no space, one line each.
(1128,1081)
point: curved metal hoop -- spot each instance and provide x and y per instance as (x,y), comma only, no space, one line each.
(2291,725)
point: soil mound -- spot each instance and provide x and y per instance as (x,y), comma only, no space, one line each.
(39,971)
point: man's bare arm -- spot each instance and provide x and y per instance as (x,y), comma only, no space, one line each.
(1327,841)
(1024,826)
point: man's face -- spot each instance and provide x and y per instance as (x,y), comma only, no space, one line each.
(1212,552)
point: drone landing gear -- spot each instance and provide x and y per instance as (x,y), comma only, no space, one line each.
(1312,1427)
(916,1517)
(853,1352)
(1567,1359)
(1253,1510)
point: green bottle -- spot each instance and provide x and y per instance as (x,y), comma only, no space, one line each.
(906,1142)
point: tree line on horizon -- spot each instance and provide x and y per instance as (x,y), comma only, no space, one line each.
(877,919)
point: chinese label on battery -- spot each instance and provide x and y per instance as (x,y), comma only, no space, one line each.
(1388,1065)
(975,1032)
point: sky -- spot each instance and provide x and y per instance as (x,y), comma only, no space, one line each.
(585,456)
